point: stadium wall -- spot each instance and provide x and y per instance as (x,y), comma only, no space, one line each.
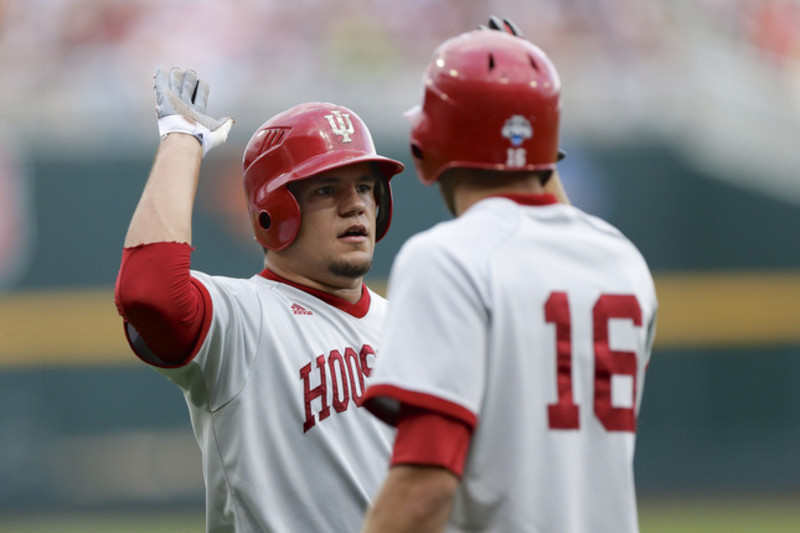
(86,425)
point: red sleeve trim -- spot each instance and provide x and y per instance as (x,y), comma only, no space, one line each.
(167,312)
(431,439)
(384,401)
(142,350)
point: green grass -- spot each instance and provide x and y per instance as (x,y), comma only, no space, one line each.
(762,514)
(182,522)
(780,514)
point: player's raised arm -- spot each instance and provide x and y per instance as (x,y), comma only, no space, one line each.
(163,310)
(261,352)
(164,211)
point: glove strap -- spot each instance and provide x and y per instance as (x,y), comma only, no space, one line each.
(179,124)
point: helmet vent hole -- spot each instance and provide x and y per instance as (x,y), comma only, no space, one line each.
(533,63)
(264,220)
(416,151)
(491,61)
(272,137)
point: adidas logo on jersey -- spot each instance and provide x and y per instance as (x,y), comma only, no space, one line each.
(300,310)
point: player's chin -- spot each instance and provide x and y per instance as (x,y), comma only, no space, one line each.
(354,265)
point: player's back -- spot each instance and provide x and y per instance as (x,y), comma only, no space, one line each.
(570,302)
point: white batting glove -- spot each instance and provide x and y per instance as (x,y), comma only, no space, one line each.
(181,99)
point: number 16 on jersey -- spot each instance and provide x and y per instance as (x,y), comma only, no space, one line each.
(565,413)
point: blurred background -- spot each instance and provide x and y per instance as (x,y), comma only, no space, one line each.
(681,120)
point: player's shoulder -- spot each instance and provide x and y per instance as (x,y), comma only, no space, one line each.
(216,280)
(603,227)
(254,288)
(603,233)
(443,239)
(596,223)
(486,222)
(426,252)
(454,249)
(628,251)
(594,227)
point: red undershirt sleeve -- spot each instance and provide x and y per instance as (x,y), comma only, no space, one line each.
(428,438)
(166,311)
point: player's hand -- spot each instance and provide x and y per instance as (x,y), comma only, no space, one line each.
(181,99)
(502,25)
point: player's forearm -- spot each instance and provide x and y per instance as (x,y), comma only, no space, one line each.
(413,500)
(164,212)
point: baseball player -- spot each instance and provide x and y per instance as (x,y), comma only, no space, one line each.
(272,367)
(516,397)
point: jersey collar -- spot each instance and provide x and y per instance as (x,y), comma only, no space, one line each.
(358,309)
(529,199)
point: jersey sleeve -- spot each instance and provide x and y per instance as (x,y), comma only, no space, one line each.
(223,361)
(434,347)
(166,311)
(431,439)
(200,331)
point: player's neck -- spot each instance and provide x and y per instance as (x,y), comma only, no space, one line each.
(466,198)
(346,288)
(470,186)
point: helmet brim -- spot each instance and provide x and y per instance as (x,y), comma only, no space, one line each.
(332,160)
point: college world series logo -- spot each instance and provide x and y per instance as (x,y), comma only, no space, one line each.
(516,129)
(341,125)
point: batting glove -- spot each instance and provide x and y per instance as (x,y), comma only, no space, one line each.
(181,99)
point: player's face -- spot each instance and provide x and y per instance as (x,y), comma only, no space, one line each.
(337,230)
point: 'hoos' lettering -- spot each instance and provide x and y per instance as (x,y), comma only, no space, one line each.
(345,373)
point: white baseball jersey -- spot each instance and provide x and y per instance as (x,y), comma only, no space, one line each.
(272,395)
(535,323)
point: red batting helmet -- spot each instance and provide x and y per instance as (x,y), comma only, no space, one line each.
(492,101)
(296,144)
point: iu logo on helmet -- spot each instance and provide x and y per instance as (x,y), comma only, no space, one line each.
(341,125)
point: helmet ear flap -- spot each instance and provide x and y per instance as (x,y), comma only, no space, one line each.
(276,219)
(383,197)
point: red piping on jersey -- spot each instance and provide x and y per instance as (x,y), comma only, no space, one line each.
(529,199)
(358,309)
(372,401)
